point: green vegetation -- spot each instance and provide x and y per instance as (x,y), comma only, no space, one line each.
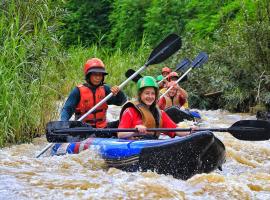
(45,43)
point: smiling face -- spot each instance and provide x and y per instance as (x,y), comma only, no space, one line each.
(148,96)
(96,78)
(172,92)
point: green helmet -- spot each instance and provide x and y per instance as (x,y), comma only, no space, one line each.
(159,78)
(147,81)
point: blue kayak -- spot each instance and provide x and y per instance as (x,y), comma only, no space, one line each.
(181,157)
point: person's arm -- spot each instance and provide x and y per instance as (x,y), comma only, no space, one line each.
(182,92)
(70,105)
(168,123)
(119,99)
(162,103)
(181,100)
(182,96)
(126,122)
(131,119)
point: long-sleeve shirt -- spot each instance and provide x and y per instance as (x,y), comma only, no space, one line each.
(74,98)
(131,117)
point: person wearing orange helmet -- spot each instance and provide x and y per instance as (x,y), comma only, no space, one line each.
(165,71)
(175,97)
(85,96)
(173,76)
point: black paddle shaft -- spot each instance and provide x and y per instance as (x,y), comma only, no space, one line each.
(85,130)
(63,131)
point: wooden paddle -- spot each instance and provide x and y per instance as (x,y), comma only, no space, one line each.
(165,49)
(75,131)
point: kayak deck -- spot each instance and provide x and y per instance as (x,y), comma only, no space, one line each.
(182,157)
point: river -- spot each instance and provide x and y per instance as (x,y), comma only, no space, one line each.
(245,175)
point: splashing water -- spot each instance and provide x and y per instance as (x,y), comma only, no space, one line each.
(245,175)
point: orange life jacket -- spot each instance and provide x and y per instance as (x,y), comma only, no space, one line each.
(148,119)
(171,102)
(88,100)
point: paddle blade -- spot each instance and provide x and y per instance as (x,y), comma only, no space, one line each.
(177,114)
(130,72)
(252,130)
(199,60)
(183,65)
(195,114)
(54,126)
(165,49)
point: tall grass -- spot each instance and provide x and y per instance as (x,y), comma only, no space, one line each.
(37,73)
(26,47)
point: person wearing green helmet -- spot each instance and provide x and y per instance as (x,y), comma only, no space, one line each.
(144,113)
(161,82)
(159,78)
(162,85)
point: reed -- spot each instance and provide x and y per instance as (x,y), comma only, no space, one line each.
(26,46)
(37,74)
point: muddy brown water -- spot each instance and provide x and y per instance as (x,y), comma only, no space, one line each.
(245,175)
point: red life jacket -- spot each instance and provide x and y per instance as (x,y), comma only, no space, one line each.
(88,100)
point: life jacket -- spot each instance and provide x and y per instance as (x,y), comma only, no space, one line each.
(185,105)
(162,91)
(88,100)
(171,102)
(148,119)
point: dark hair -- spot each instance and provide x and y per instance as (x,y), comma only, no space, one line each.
(153,108)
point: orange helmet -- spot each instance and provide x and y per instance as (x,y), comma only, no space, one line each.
(173,74)
(166,69)
(94,65)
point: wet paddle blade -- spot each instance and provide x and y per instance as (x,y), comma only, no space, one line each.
(57,125)
(130,72)
(252,130)
(54,126)
(165,49)
(199,60)
(183,65)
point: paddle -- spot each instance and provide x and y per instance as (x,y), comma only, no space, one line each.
(165,49)
(130,72)
(75,131)
(198,62)
(180,66)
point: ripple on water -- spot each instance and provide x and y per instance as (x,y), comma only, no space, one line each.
(245,174)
